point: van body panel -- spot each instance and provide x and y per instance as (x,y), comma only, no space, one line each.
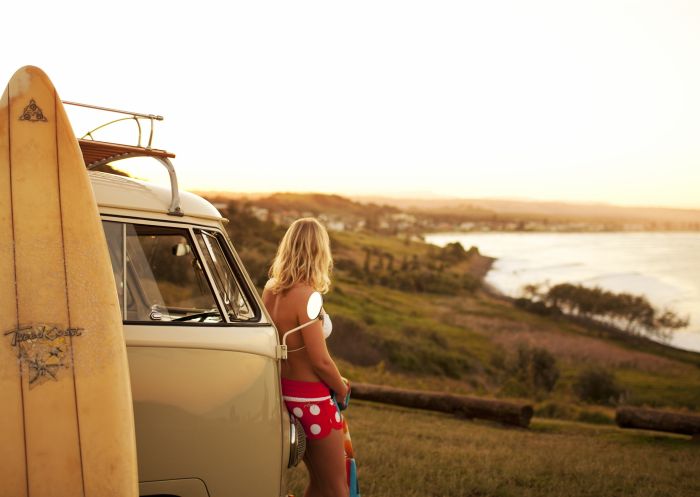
(209,414)
(139,196)
(208,409)
(260,339)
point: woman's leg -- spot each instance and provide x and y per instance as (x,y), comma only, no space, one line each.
(325,461)
(312,489)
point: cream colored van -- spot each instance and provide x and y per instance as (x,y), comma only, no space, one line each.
(203,353)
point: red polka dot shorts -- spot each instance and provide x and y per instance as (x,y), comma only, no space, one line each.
(310,402)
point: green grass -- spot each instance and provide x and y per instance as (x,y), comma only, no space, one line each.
(428,341)
(402,452)
(661,390)
(481,329)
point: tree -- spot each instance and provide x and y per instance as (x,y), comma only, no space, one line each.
(535,368)
(368,256)
(632,314)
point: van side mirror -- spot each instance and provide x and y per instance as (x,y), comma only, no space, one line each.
(314,305)
(181,249)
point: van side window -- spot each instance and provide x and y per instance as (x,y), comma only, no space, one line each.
(235,302)
(164,278)
(114,233)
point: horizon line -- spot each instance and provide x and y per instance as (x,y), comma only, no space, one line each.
(434,196)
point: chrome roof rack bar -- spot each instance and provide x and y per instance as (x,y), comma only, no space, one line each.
(136,116)
(174,209)
(97,153)
(97,107)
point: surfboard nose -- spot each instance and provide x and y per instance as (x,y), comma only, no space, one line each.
(26,78)
(32,98)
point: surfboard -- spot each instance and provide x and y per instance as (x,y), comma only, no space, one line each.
(66,417)
(350,462)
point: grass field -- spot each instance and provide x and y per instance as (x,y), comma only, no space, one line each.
(404,453)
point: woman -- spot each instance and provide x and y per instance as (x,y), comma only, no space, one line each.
(301,267)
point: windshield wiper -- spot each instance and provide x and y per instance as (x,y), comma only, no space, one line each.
(200,315)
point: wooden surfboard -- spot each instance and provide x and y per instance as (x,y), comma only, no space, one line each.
(66,417)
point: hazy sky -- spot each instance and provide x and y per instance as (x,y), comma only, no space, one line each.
(579,101)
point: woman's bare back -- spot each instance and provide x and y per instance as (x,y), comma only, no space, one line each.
(288,310)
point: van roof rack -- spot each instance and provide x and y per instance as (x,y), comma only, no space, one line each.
(98,153)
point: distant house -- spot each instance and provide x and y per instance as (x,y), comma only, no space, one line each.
(261,213)
(335,225)
(403,217)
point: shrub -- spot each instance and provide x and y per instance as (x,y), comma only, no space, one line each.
(544,369)
(535,306)
(452,252)
(420,356)
(351,341)
(536,368)
(556,410)
(596,385)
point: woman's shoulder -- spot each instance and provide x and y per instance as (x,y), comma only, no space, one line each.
(300,291)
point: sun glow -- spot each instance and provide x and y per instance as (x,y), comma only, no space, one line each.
(579,101)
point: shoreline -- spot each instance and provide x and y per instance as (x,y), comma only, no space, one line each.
(588,323)
(660,266)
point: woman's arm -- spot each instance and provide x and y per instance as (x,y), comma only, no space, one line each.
(321,361)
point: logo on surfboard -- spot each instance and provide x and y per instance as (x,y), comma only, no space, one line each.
(32,112)
(42,349)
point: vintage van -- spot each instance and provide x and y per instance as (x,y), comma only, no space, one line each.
(203,353)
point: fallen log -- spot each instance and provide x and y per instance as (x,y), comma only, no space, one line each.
(658,420)
(509,413)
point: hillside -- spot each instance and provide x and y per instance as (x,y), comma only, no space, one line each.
(411,314)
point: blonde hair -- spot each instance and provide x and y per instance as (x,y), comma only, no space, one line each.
(303,256)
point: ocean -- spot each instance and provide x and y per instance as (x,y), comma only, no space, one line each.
(665,267)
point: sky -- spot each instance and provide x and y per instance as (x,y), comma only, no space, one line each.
(581,101)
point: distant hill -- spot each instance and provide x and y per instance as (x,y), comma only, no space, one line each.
(312,203)
(440,213)
(528,210)
(318,203)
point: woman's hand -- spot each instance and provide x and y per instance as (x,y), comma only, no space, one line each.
(342,397)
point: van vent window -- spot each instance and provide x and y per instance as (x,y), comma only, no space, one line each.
(234,300)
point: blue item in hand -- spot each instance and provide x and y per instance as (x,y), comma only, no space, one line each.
(341,405)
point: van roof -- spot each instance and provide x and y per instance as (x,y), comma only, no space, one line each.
(112,191)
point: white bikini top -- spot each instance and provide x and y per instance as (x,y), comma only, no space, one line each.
(327,325)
